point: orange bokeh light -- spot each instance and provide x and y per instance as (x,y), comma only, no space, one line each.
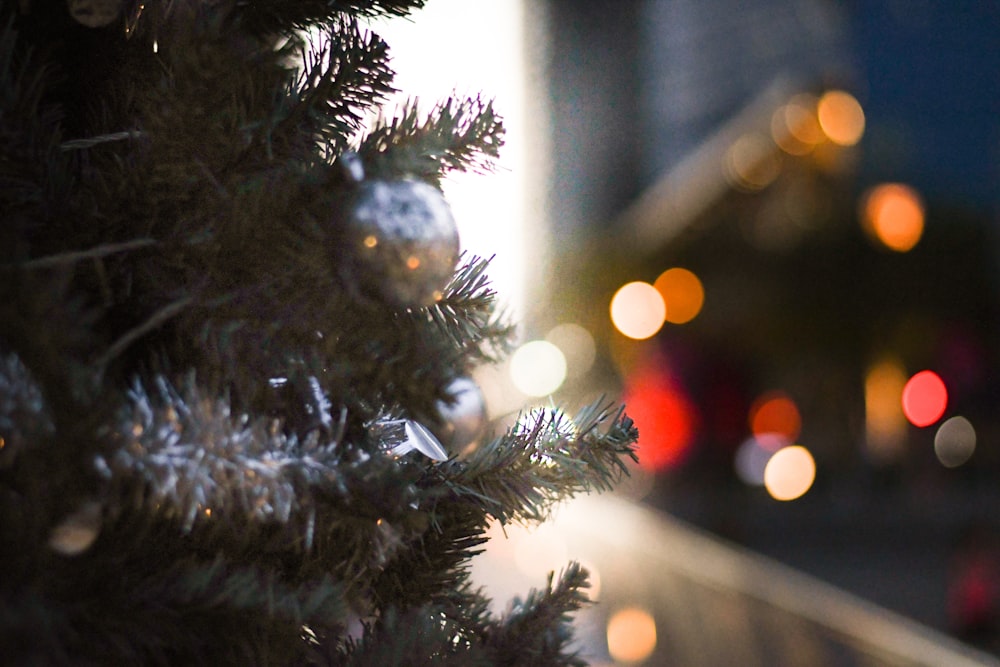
(893,214)
(682,293)
(925,398)
(841,117)
(631,635)
(800,116)
(885,424)
(775,412)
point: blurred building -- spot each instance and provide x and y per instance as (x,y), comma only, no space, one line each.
(828,172)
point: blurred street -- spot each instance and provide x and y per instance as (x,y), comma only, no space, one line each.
(670,594)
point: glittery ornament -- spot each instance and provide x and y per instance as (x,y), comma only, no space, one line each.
(78,531)
(404,238)
(95,13)
(464,415)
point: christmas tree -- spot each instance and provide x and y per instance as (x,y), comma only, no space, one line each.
(235,324)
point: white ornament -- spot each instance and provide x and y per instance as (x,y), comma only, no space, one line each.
(419,438)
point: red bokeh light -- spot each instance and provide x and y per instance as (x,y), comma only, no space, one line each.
(666,418)
(775,412)
(925,398)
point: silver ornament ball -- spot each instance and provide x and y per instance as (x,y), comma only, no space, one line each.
(464,417)
(404,236)
(95,13)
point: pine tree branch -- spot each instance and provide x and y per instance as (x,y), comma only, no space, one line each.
(544,459)
(416,636)
(71,257)
(154,321)
(34,178)
(538,630)
(467,314)
(456,135)
(345,72)
(283,16)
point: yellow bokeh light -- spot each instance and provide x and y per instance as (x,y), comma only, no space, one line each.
(751,163)
(631,635)
(801,120)
(885,423)
(638,310)
(893,214)
(784,138)
(841,117)
(682,293)
(537,368)
(790,473)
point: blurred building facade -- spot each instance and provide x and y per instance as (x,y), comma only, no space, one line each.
(692,135)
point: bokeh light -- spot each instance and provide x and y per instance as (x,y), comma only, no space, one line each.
(775,412)
(925,398)
(841,117)
(638,310)
(893,215)
(794,126)
(577,345)
(790,473)
(752,163)
(682,293)
(800,118)
(537,368)
(667,416)
(955,442)
(753,455)
(885,424)
(631,635)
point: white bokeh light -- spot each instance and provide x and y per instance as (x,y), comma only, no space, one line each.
(955,442)
(538,368)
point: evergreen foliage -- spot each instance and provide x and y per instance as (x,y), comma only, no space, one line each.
(196,398)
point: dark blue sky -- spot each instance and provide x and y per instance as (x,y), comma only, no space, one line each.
(931,89)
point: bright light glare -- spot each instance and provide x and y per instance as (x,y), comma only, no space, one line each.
(682,293)
(539,552)
(638,310)
(790,473)
(885,424)
(577,346)
(893,215)
(775,412)
(954,442)
(925,398)
(537,368)
(631,635)
(841,117)
(490,209)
